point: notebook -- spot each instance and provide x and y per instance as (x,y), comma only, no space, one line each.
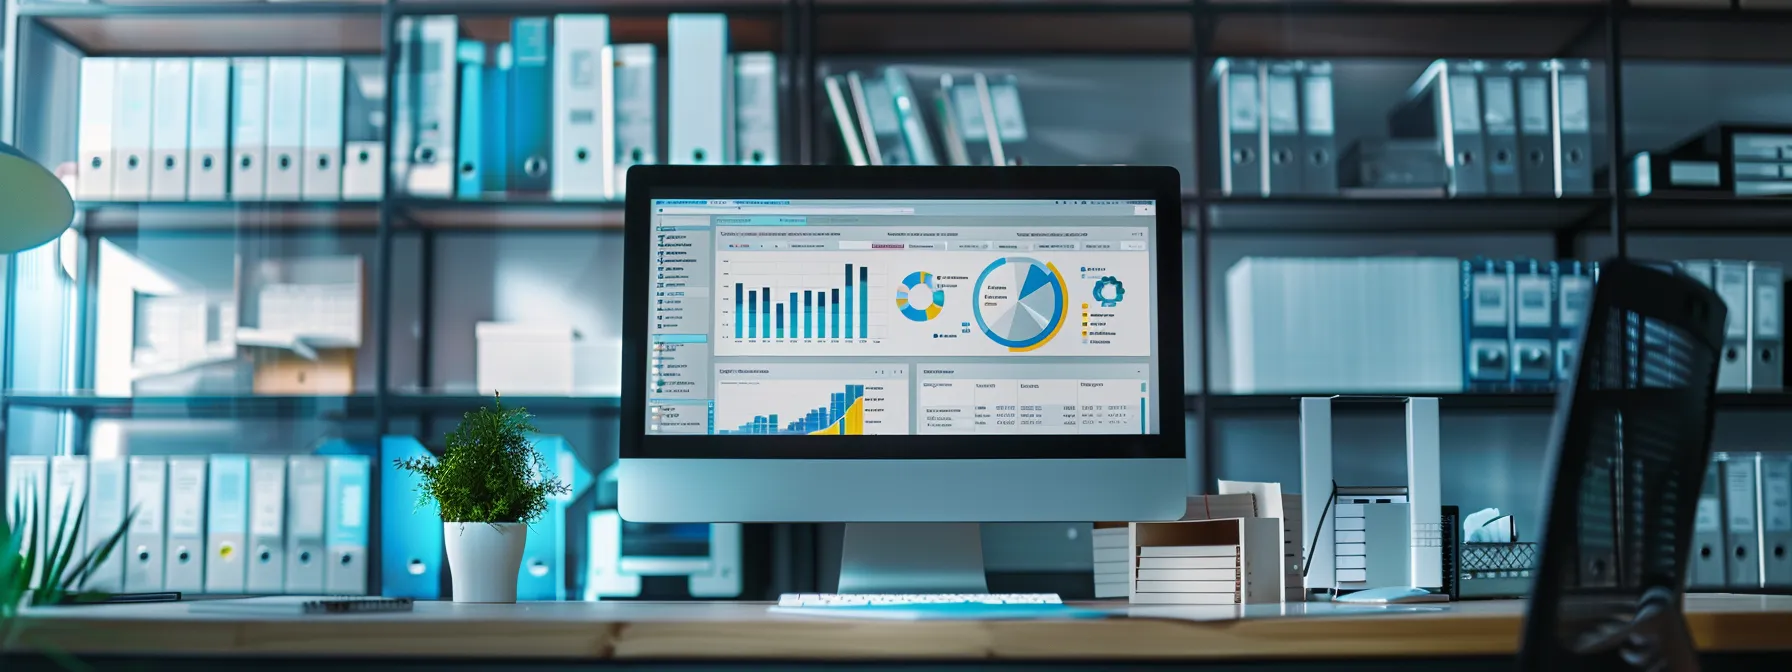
(300,605)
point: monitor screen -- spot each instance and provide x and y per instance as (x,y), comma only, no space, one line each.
(829,317)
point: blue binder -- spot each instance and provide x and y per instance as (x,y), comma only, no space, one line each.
(1574,296)
(467,182)
(1533,325)
(411,551)
(531,105)
(1486,324)
(495,137)
(544,571)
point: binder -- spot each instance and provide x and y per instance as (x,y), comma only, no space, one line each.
(304,525)
(411,544)
(881,126)
(468,182)
(1487,319)
(1003,94)
(636,109)
(1281,118)
(322,178)
(227,525)
(1319,169)
(27,480)
(584,137)
(208,134)
(94,142)
(132,128)
(1445,104)
(429,170)
(248,129)
(1776,520)
(1241,138)
(1730,279)
(185,571)
(1766,332)
(345,524)
(1533,325)
(168,139)
(1574,296)
(107,486)
(68,493)
(286,128)
(841,105)
(1499,114)
(266,573)
(364,130)
(1536,121)
(756,109)
(908,116)
(1707,566)
(144,544)
(1742,528)
(701,98)
(1574,126)
(542,575)
(958,105)
(531,106)
(494,146)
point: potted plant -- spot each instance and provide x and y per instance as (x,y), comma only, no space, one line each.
(488,485)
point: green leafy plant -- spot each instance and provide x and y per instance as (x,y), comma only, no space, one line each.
(490,473)
(38,568)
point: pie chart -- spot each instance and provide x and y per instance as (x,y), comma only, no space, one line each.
(1021,303)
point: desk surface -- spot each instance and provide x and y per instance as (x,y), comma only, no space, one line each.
(745,630)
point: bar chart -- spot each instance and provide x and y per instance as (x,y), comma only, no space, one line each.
(801,301)
(843,414)
(805,400)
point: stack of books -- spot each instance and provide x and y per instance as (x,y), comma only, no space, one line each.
(1212,562)
(1246,505)
(1112,545)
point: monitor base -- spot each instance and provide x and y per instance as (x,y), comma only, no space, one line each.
(912,558)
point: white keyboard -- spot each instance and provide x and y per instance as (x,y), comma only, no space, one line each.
(836,600)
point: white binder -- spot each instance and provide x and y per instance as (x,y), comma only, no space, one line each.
(267,517)
(185,570)
(700,98)
(1742,527)
(637,109)
(1766,329)
(132,128)
(168,139)
(68,493)
(144,544)
(208,169)
(429,171)
(94,141)
(1776,520)
(846,120)
(249,129)
(106,488)
(584,137)
(1706,567)
(364,131)
(756,109)
(305,525)
(227,524)
(286,128)
(346,503)
(1730,279)
(322,177)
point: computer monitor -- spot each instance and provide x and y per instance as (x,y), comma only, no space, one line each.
(902,345)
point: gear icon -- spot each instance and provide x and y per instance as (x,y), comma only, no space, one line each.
(1109,291)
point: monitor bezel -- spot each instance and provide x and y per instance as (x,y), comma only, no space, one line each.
(1161,184)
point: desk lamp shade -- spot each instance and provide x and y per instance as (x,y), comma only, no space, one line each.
(34,206)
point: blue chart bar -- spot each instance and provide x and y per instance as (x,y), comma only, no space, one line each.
(821,313)
(834,305)
(796,318)
(808,314)
(864,302)
(752,317)
(765,301)
(780,320)
(839,416)
(739,289)
(849,300)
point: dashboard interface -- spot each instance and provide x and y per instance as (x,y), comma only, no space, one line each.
(904,317)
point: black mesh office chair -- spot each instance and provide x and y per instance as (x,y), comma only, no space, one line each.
(1631,437)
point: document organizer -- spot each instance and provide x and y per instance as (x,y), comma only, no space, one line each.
(1248,550)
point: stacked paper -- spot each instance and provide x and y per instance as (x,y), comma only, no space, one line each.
(1189,575)
(1260,504)
(1112,546)
(1214,562)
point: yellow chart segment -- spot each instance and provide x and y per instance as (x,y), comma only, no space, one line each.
(1062,315)
(853,424)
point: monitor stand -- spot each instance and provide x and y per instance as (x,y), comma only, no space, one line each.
(912,558)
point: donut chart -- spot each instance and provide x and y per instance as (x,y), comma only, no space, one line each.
(1021,303)
(919,298)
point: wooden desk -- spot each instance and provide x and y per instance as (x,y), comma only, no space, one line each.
(744,631)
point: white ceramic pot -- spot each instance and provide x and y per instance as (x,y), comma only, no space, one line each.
(483,559)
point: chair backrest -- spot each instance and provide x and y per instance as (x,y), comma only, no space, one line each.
(1631,438)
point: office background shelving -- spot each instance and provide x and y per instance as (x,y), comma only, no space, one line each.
(1135,69)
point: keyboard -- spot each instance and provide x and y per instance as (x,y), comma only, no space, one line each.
(836,600)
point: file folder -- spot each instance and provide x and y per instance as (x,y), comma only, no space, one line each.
(1574,296)
(1707,566)
(1241,139)
(1500,119)
(345,531)
(584,137)
(1536,124)
(1574,126)
(227,525)
(132,128)
(1730,279)
(962,119)
(248,129)
(1487,319)
(882,127)
(531,106)
(1003,93)
(1445,104)
(1318,130)
(1776,520)
(1766,336)
(429,171)
(637,109)
(267,520)
(364,130)
(411,544)
(469,183)
(305,525)
(700,100)
(106,508)
(94,139)
(756,109)
(68,493)
(208,174)
(144,544)
(168,139)
(542,575)
(494,147)
(186,525)
(1533,325)
(322,179)
(840,103)
(1742,528)
(286,128)
(908,117)
(1281,116)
